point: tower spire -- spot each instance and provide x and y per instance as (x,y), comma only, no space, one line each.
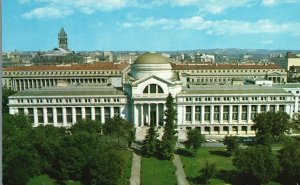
(62,39)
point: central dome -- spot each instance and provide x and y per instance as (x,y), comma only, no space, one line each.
(151,58)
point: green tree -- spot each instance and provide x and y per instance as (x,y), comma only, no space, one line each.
(271,124)
(166,148)
(289,159)
(206,173)
(194,140)
(90,126)
(231,144)
(5,94)
(257,163)
(119,128)
(150,142)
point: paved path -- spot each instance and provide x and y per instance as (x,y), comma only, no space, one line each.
(135,170)
(181,178)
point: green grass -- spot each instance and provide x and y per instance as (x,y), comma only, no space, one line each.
(158,172)
(41,179)
(127,171)
(218,155)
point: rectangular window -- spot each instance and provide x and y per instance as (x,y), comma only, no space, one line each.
(272,108)
(107,112)
(40,115)
(88,113)
(207,113)
(50,115)
(244,112)
(30,115)
(235,112)
(78,113)
(263,108)
(69,114)
(59,115)
(116,111)
(20,111)
(226,112)
(98,113)
(281,108)
(217,113)
(198,113)
(188,113)
(253,111)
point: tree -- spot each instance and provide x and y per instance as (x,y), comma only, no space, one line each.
(295,124)
(150,143)
(206,173)
(231,143)
(5,94)
(289,159)
(194,140)
(166,148)
(91,126)
(257,163)
(119,128)
(271,124)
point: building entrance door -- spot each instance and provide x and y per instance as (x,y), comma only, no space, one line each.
(153,114)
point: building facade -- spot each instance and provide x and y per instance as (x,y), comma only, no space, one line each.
(140,93)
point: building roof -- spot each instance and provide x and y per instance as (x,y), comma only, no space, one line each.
(223,66)
(62,32)
(233,90)
(151,58)
(73,67)
(71,90)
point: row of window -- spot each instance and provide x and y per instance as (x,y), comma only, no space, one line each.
(70,100)
(69,114)
(227,79)
(235,98)
(234,70)
(226,112)
(61,72)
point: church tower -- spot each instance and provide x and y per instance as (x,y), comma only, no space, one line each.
(63,39)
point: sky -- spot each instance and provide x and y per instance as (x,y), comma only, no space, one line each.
(151,25)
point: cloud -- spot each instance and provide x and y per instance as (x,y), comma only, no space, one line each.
(47,12)
(217,27)
(276,2)
(267,42)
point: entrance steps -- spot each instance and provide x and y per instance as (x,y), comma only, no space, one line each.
(142,131)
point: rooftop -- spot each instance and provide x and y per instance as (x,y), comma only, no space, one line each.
(224,66)
(73,67)
(151,58)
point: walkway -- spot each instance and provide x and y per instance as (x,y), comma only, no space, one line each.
(135,170)
(181,178)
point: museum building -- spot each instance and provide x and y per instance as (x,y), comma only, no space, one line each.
(138,94)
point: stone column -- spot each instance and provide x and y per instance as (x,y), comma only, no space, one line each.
(202,114)
(83,112)
(45,117)
(93,113)
(248,113)
(157,114)
(149,117)
(142,114)
(20,85)
(193,114)
(258,109)
(296,104)
(268,108)
(136,124)
(55,117)
(239,113)
(277,108)
(221,115)
(230,114)
(35,117)
(64,112)
(212,114)
(112,112)
(183,114)
(102,115)
(24,86)
(74,115)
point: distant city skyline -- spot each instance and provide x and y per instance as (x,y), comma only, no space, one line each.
(157,25)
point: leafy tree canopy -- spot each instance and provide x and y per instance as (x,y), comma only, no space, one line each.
(194,140)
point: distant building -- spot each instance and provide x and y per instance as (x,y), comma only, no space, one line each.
(63,39)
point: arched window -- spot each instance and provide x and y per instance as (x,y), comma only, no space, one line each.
(152,89)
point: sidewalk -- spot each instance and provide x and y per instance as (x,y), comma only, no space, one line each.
(180,174)
(135,170)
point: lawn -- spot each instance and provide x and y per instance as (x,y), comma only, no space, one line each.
(223,162)
(158,172)
(46,180)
